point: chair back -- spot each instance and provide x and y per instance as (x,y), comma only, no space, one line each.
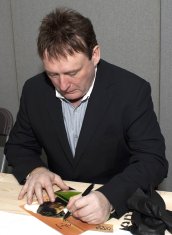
(6,124)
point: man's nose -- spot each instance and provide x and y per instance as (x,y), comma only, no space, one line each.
(63,83)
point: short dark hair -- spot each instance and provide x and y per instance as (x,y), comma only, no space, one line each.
(65,31)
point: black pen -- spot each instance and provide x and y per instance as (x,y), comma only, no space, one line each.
(86,192)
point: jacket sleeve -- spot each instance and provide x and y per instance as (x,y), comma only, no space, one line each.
(148,165)
(23,150)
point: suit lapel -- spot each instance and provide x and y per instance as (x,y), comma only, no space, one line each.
(55,111)
(95,112)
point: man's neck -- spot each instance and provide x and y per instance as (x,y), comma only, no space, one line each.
(75,102)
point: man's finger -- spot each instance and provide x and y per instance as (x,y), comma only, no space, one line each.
(39,193)
(60,183)
(50,192)
(72,203)
(23,191)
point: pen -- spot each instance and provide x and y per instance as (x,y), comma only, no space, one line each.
(86,192)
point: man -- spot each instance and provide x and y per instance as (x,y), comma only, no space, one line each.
(94,120)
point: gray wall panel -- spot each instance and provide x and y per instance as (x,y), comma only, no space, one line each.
(8,85)
(166,82)
(128,33)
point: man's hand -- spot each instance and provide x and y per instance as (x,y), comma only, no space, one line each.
(39,179)
(93,208)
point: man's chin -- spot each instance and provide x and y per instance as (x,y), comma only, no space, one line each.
(73,99)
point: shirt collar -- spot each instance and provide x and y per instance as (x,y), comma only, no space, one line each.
(86,96)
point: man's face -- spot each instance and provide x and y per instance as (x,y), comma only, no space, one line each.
(72,76)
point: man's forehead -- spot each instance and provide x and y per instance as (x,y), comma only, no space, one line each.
(63,57)
(64,65)
(75,59)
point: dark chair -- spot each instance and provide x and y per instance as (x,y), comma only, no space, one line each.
(6,123)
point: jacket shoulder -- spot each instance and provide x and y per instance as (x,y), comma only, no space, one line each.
(118,76)
(39,83)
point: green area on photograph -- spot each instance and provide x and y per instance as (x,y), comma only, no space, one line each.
(65,195)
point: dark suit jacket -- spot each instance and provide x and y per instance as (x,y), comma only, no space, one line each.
(120,143)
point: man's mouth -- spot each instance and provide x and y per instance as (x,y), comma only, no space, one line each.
(69,92)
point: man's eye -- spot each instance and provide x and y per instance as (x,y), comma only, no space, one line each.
(52,75)
(72,74)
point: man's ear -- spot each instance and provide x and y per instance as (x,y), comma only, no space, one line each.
(96,55)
